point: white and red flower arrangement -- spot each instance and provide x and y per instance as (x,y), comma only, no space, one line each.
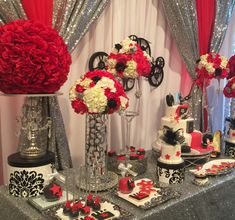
(128,60)
(98,92)
(211,65)
(229,89)
(33,58)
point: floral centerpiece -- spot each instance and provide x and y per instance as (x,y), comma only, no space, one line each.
(33,58)
(211,65)
(128,60)
(98,92)
(229,89)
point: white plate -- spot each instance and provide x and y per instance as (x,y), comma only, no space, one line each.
(208,165)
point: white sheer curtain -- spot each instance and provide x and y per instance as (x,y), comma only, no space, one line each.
(219,104)
(120,19)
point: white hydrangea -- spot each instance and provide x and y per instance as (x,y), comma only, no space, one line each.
(86,83)
(123,101)
(105,82)
(95,99)
(128,46)
(209,67)
(131,69)
(72,93)
(224,62)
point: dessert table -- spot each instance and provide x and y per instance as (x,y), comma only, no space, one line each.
(211,202)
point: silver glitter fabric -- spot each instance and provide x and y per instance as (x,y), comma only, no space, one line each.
(58,143)
(11,10)
(212,202)
(182,20)
(72,18)
(224,10)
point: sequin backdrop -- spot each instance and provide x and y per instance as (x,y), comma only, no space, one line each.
(71,19)
(182,19)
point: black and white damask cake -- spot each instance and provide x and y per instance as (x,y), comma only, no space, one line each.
(170,165)
(27,178)
(230,139)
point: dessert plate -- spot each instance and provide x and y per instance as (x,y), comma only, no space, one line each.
(145,195)
(215,167)
(108,211)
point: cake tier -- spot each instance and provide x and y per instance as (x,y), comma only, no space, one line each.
(170,154)
(185,124)
(27,178)
(170,173)
(176,111)
(232,134)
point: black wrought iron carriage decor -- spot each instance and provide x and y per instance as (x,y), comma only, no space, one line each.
(155,77)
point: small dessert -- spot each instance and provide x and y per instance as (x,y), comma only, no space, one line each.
(67,206)
(141,151)
(132,149)
(103,215)
(111,153)
(73,211)
(121,157)
(139,196)
(96,205)
(126,185)
(90,201)
(134,156)
(79,205)
(86,210)
(52,192)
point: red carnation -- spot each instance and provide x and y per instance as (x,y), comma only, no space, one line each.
(79,107)
(33,58)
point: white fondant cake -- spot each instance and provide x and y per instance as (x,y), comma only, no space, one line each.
(170,154)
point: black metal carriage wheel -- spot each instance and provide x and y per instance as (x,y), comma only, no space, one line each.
(144,45)
(97,61)
(156,76)
(160,62)
(128,84)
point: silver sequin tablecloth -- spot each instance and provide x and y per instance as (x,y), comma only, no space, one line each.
(213,202)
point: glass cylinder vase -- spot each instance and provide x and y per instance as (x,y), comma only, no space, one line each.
(96,142)
(97,176)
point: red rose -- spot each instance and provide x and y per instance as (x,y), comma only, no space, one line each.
(33,58)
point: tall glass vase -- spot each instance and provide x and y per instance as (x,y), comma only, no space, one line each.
(96,142)
(95,154)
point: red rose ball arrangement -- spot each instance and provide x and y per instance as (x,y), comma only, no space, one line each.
(33,58)
(98,92)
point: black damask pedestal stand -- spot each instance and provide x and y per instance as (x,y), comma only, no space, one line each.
(26,178)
